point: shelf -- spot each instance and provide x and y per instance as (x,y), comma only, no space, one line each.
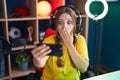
(21,47)
(4,78)
(15,72)
(21,19)
(2,19)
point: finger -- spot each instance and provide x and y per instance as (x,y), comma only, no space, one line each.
(37,49)
(42,51)
(65,34)
(43,54)
(46,53)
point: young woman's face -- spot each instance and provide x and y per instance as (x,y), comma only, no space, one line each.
(65,22)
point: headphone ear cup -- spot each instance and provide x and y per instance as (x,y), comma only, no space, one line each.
(52,24)
(78,24)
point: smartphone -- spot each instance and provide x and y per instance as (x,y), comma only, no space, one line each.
(57,49)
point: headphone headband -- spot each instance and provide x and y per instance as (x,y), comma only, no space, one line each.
(70,6)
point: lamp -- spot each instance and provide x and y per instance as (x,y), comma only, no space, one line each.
(95,17)
(43,8)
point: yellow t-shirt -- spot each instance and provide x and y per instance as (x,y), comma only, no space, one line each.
(68,71)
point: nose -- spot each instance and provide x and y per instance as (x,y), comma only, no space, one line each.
(65,26)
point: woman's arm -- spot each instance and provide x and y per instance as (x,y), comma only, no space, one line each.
(80,62)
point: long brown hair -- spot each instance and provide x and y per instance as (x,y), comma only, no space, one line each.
(73,16)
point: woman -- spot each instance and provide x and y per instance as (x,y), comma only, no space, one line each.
(75,54)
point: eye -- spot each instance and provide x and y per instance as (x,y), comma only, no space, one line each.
(60,22)
(69,22)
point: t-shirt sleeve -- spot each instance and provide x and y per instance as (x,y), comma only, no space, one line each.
(81,47)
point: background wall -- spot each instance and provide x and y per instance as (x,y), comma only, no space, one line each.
(110,52)
(110,39)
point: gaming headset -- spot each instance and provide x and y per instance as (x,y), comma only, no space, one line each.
(78,20)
